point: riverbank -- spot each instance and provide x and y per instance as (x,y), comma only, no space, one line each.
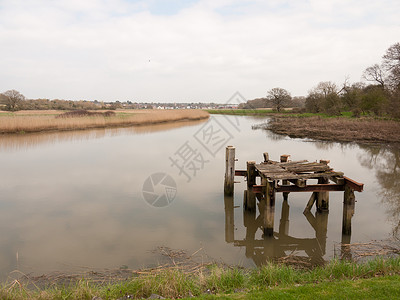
(342,128)
(339,129)
(39,121)
(375,279)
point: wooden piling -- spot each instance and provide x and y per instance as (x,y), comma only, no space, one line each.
(229,170)
(285,158)
(251,180)
(229,219)
(348,209)
(269,210)
(266,157)
(284,221)
(323,197)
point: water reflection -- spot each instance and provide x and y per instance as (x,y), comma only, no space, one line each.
(74,199)
(281,245)
(385,162)
(17,142)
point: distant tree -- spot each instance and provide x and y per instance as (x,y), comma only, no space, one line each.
(374,100)
(324,98)
(351,97)
(279,97)
(13,99)
(375,73)
(391,63)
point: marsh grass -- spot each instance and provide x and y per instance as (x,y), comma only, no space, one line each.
(17,123)
(214,279)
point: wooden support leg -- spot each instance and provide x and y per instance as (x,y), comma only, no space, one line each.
(269,210)
(310,203)
(348,209)
(229,170)
(323,197)
(284,222)
(321,220)
(285,158)
(229,219)
(251,180)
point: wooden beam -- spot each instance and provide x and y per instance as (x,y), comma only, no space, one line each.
(298,182)
(241,173)
(308,188)
(354,185)
(311,188)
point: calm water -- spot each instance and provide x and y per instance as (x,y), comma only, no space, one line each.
(75,199)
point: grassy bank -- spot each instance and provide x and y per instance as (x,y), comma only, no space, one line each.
(378,278)
(366,130)
(37,121)
(241,112)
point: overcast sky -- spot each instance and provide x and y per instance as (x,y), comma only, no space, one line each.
(195,50)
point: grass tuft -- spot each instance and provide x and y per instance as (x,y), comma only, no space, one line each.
(271,279)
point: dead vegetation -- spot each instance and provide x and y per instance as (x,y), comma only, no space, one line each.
(337,129)
(24,123)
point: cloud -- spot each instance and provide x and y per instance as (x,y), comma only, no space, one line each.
(201,51)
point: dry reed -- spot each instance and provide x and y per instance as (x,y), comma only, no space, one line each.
(37,123)
(338,129)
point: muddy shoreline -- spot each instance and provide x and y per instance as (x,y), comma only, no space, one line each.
(366,131)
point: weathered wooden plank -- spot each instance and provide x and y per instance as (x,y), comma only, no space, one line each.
(282,175)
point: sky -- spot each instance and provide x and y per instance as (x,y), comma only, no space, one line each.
(188,51)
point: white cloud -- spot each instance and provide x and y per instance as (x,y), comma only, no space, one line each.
(205,51)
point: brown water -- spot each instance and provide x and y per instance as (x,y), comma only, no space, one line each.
(74,200)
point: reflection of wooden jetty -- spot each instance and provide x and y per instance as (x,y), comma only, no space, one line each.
(277,246)
(287,177)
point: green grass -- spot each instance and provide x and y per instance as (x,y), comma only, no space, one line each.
(375,279)
(387,287)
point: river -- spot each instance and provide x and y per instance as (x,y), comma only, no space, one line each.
(90,199)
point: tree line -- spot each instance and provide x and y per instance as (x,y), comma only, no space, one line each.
(13,100)
(379,97)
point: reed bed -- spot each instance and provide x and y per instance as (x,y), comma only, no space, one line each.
(22,123)
(337,129)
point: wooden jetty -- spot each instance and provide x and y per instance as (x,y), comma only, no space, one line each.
(287,177)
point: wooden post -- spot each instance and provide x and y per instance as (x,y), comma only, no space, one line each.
(321,230)
(284,221)
(229,170)
(229,219)
(269,210)
(348,209)
(251,180)
(285,158)
(323,197)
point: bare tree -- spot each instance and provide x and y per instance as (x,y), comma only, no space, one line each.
(391,62)
(13,99)
(375,73)
(279,97)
